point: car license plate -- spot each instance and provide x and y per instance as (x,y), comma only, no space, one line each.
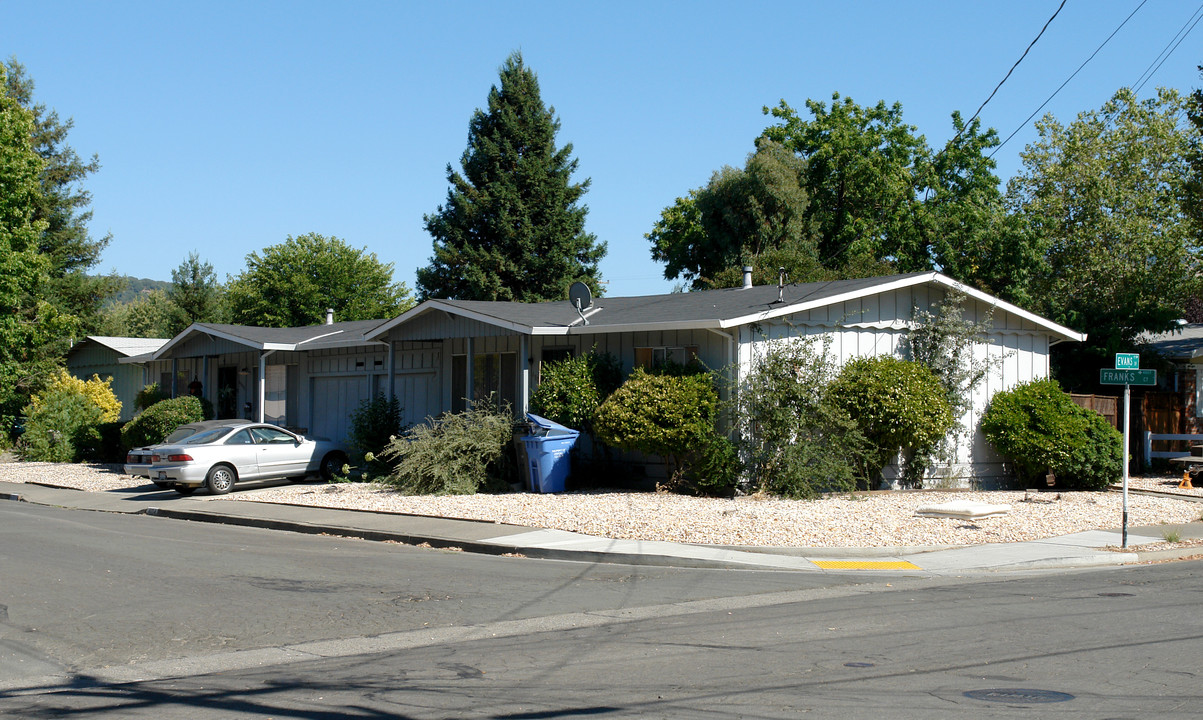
(162,476)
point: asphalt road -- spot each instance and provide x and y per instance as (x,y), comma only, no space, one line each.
(144,617)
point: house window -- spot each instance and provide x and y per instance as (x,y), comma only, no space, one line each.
(493,374)
(650,357)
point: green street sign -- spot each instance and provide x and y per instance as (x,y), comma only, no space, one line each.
(1127,377)
(1127,361)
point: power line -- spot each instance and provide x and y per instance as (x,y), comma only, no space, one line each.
(1021,57)
(1047,100)
(1150,71)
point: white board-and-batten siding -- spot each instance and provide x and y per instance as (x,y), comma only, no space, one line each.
(878,325)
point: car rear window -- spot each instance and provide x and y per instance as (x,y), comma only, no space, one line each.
(208,436)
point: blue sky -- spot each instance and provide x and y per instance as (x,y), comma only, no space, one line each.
(224,127)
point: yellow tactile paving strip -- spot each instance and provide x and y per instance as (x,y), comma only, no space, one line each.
(865,565)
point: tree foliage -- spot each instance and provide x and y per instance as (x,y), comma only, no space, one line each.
(1104,196)
(152,315)
(293,283)
(883,199)
(753,216)
(63,205)
(513,227)
(196,292)
(34,332)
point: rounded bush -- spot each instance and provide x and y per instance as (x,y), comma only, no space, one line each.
(98,392)
(672,416)
(57,425)
(1038,427)
(158,420)
(899,405)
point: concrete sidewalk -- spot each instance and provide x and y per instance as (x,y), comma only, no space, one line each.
(1084,549)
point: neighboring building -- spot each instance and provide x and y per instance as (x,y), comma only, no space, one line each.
(474,348)
(102,356)
(1176,403)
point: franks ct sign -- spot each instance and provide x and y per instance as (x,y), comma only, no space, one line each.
(1127,377)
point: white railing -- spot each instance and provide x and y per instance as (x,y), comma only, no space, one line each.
(1150,437)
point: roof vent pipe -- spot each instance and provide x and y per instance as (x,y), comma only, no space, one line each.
(747,277)
(329,316)
(780,284)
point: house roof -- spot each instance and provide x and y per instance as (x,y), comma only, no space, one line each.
(715,309)
(124,346)
(1183,343)
(311,337)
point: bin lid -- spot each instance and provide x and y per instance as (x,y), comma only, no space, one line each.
(547,424)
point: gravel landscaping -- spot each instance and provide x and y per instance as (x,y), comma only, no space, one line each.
(877,519)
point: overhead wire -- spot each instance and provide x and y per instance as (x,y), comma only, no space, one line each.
(1150,71)
(1000,82)
(1047,100)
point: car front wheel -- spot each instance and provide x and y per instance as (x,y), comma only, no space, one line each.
(220,479)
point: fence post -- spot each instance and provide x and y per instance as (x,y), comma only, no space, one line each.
(1148,447)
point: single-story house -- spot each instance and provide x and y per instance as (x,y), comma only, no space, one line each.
(102,356)
(474,348)
(1175,406)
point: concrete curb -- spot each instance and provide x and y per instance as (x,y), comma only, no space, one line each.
(491,548)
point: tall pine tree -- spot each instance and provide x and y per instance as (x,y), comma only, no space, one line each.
(63,205)
(512,227)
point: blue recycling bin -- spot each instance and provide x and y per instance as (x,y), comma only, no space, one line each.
(547,450)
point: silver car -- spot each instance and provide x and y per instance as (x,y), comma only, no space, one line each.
(138,460)
(222,456)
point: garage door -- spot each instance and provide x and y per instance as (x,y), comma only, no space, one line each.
(333,399)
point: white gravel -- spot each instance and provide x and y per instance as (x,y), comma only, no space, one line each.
(882,519)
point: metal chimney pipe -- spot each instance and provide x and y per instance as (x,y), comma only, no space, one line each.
(747,277)
(329,316)
(780,284)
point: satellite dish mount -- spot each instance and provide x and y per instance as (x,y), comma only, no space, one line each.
(581,298)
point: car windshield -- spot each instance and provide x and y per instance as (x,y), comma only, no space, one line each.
(208,436)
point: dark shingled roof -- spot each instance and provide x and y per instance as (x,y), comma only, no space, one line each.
(682,308)
(334,334)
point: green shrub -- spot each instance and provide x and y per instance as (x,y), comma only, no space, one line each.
(99,392)
(149,395)
(56,425)
(795,443)
(671,416)
(158,420)
(1038,427)
(571,390)
(899,406)
(373,426)
(456,454)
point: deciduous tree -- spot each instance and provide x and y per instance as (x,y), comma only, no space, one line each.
(1103,195)
(513,227)
(752,216)
(293,283)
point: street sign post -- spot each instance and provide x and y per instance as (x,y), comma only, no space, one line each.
(1126,374)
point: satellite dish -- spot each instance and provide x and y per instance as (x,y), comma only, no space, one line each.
(580,296)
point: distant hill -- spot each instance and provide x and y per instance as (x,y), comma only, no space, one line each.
(135,287)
